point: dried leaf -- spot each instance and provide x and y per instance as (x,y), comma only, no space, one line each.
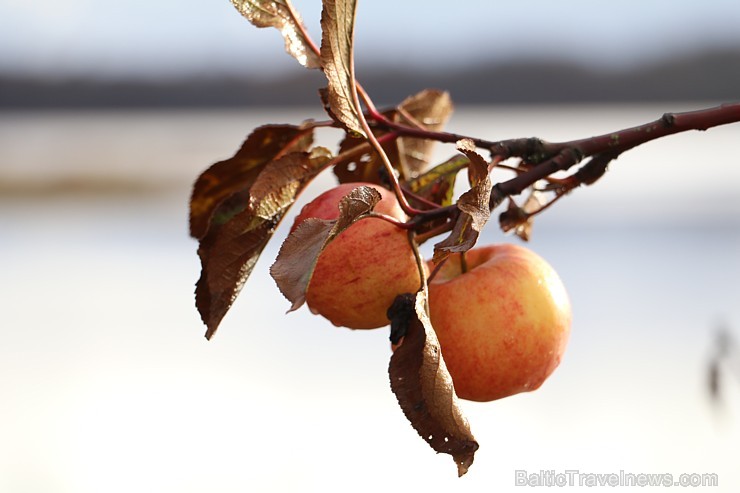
(512,217)
(229,251)
(473,204)
(337,38)
(595,168)
(300,252)
(424,389)
(281,15)
(521,219)
(478,169)
(226,179)
(429,109)
(228,255)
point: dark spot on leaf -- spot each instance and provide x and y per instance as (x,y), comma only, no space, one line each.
(399,313)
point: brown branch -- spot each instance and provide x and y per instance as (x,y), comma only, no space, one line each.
(564,160)
(604,148)
(537,151)
(668,124)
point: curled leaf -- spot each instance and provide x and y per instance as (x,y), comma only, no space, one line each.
(281,15)
(521,219)
(478,168)
(337,60)
(300,251)
(473,205)
(423,386)
(229,251)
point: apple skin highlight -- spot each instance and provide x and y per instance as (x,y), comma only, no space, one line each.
(503,325)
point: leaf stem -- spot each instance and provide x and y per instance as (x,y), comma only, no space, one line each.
(302,28)
(442,228)
(392,220)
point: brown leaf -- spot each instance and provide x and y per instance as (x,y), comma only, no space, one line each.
(424,388)
(473,204)
(478,169)
(278,185)
(521,219)
(281,15)
(429,109)
(228,178)
(337,38)
(229,251)
(300,251)
(595,168)
(228,255)
(513,217)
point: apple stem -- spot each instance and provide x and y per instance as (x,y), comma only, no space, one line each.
(463,263)
(420,264)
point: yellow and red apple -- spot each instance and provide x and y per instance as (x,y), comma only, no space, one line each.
(503,324)
(359,274)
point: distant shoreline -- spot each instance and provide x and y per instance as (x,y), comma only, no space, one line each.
(710,75)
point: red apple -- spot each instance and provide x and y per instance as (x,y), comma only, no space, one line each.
(503,324)
(362,270)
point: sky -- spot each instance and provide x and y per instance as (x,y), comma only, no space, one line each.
(173,37)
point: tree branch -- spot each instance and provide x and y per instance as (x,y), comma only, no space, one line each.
(604,148)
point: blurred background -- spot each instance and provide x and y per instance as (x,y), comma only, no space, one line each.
(109,112)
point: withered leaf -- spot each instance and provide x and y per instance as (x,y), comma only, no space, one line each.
(428,109)
(521,219)
(281,15)
(595,168)
(473,205)
(478,169)
(300,251)
(337,52)
(229,251)
(228,256)
(513,217)
(424,389)
(226,179)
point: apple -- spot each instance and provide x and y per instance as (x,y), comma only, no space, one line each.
(359,273)
(503,324)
